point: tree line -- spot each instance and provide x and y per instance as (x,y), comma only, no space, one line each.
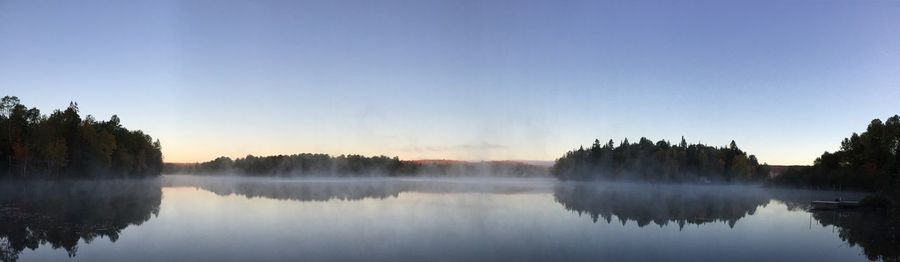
(298,164)
(64,144)
(308,164)
(660,161)
(868,161)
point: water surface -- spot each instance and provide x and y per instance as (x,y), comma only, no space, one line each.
(414,219)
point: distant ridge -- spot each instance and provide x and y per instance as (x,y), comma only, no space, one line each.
(542,163)
(309,164)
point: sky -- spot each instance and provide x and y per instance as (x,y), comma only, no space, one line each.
(469,80)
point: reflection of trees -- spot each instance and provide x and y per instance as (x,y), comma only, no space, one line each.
(305,191)
(660,204)
(62,213)
(343,189)
(799,199)
(877,232)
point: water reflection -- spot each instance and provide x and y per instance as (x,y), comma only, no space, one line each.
(877,232)
(661,204)
(62,213)
(352,189)
(413,219)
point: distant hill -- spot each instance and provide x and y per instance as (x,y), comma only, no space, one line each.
(543,163)
(775,171)
(438,161)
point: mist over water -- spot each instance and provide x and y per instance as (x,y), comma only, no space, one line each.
(233,218)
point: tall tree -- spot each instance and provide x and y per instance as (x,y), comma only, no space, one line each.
(7,103)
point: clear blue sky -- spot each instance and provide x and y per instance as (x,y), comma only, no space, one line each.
(474,80)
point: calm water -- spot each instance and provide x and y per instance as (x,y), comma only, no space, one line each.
(252,219)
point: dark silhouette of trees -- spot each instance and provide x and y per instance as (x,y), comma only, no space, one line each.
(484,168)
(299,165)
(867,161)
(659,161)
(65,145)
(353,166)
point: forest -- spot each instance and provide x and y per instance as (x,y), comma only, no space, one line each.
(64,144)
(297,164)
(660,161)
(866,161)
(308,164)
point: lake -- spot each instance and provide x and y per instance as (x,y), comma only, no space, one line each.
(197,218)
